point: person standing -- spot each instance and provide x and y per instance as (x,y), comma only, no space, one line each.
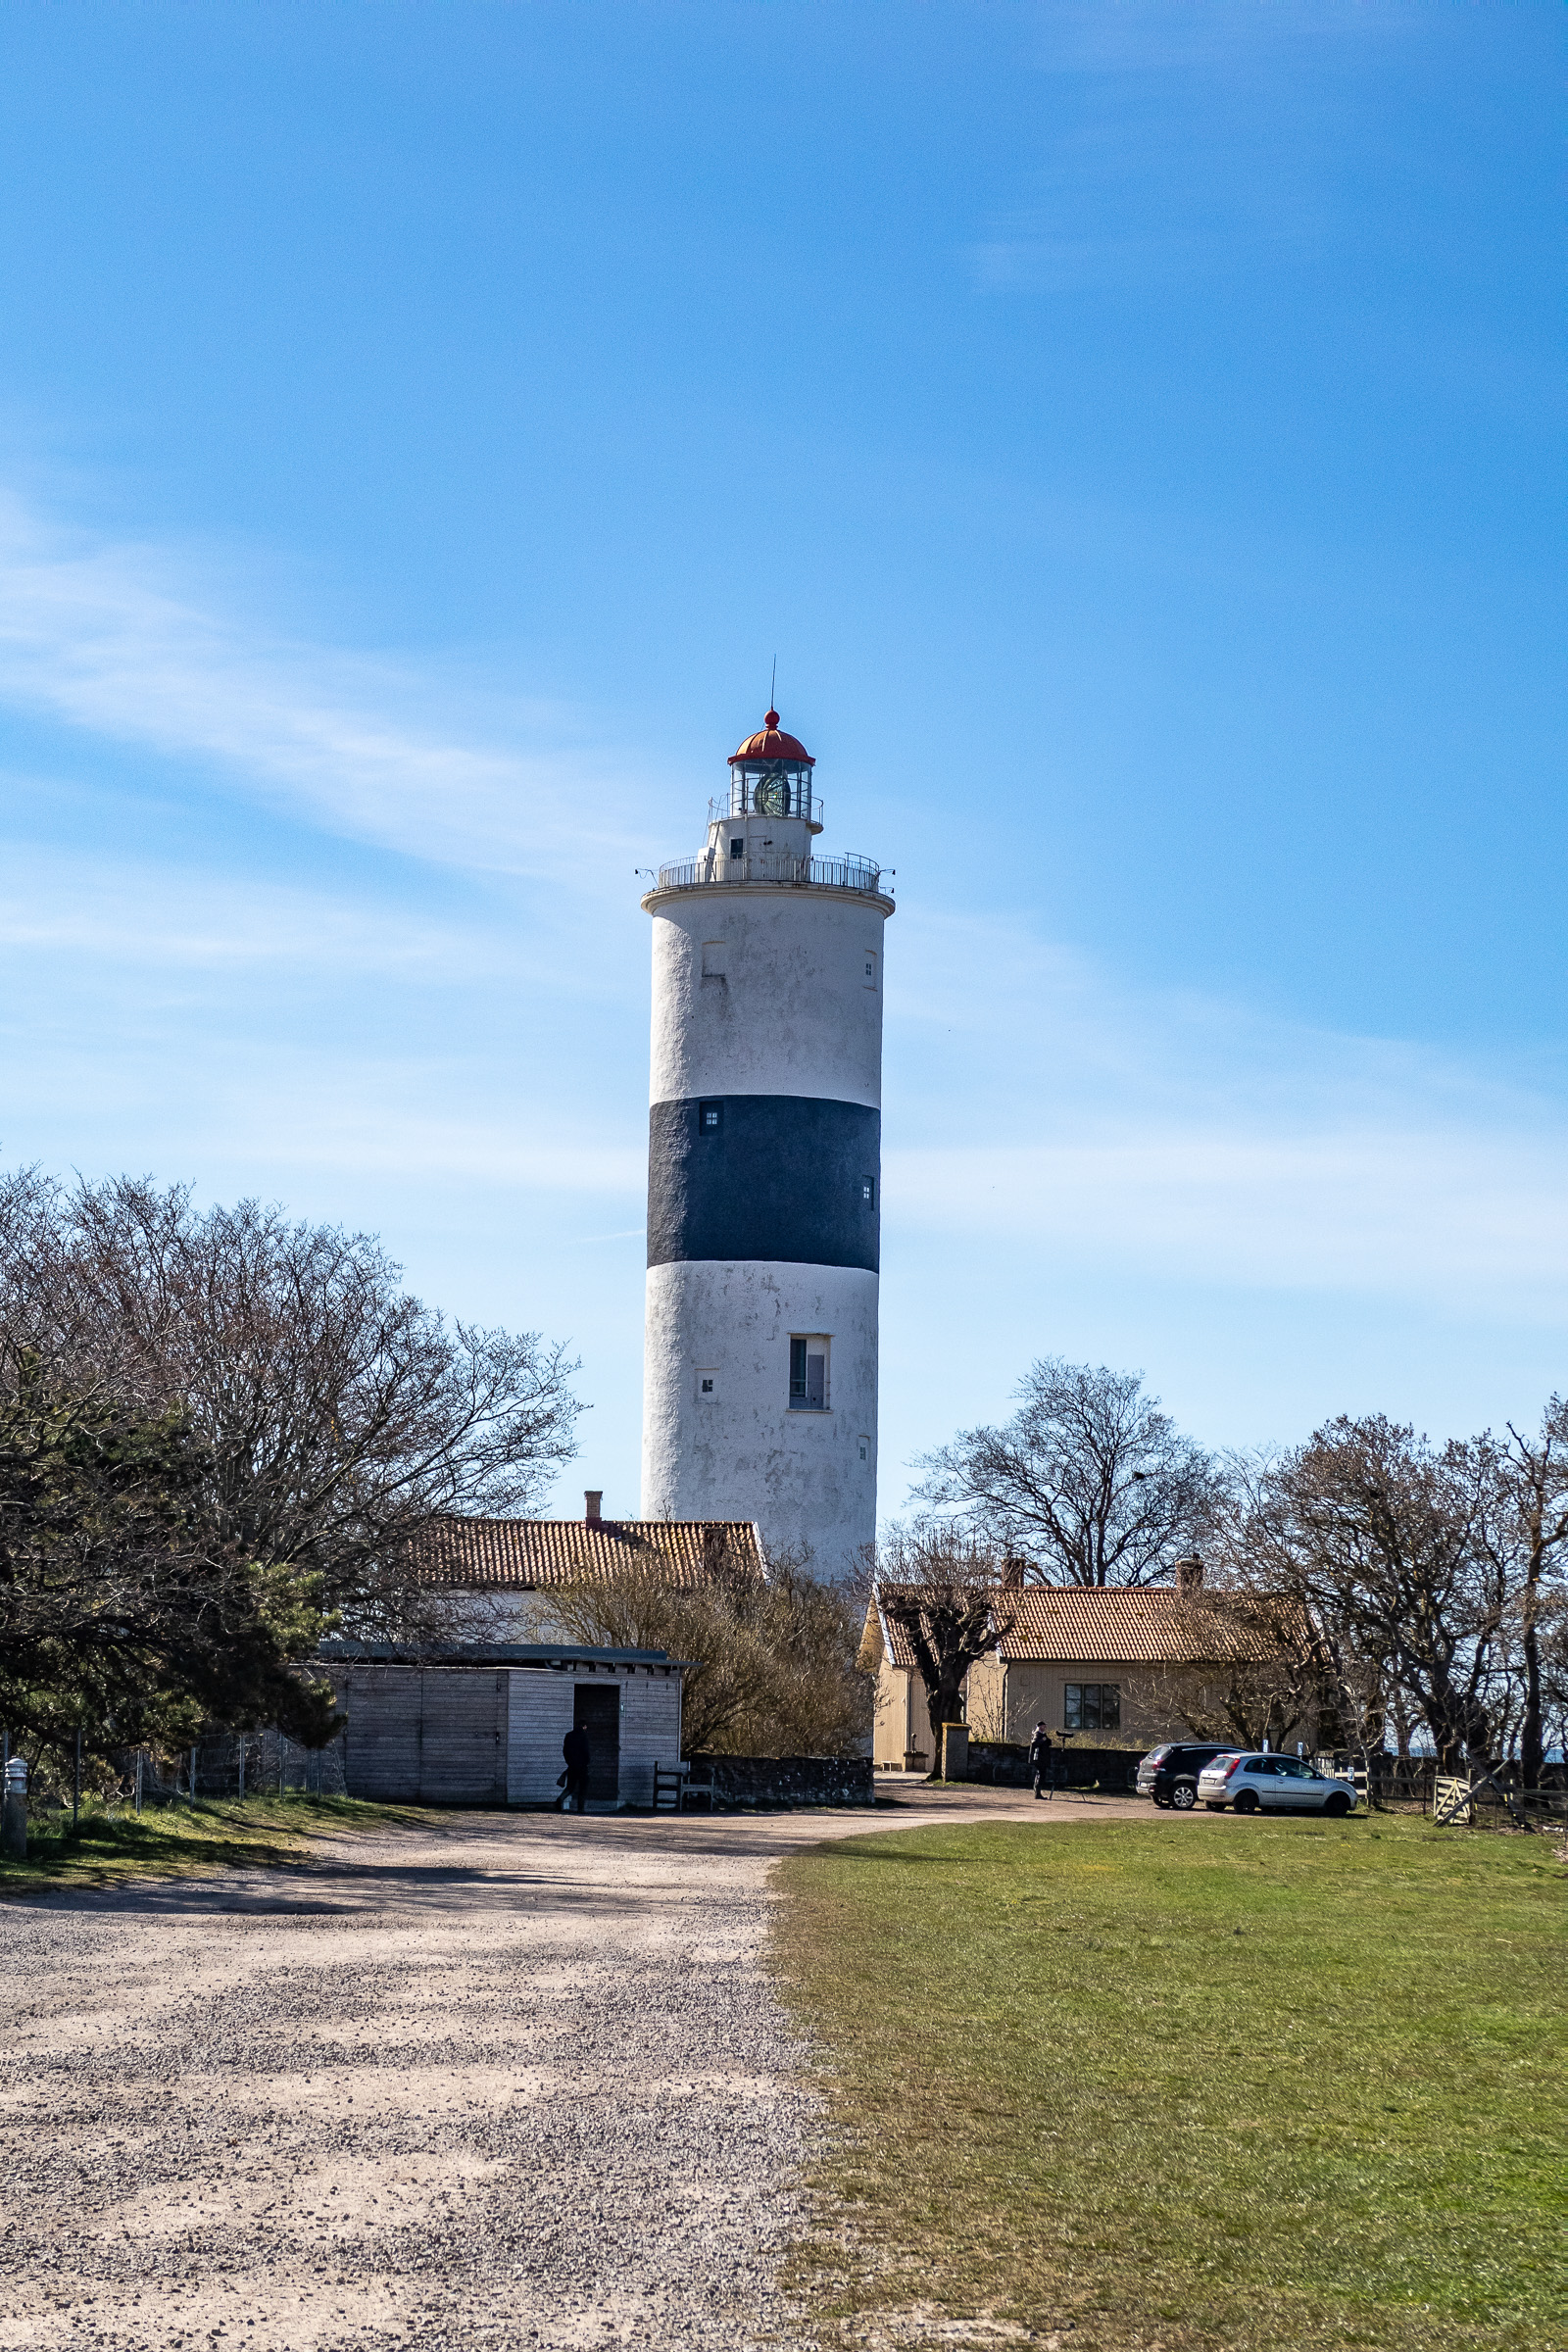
(1039,1761)
(577,1751)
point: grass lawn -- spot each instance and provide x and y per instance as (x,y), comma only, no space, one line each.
(173,1840)
(1265,2086)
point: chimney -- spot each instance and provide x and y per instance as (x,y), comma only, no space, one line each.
(1012,1574)
(1189,1577)
(591,1498)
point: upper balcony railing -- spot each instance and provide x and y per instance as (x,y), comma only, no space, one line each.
(800,873)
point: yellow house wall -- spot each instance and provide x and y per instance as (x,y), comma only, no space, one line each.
(1038,1691)
(901,1720)
(1005,1700)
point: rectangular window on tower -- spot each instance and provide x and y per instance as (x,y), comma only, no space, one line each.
(712,960)
(710,1117)
(808,1383)
(870,961)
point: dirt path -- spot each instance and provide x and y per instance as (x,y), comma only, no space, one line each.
(512,2078)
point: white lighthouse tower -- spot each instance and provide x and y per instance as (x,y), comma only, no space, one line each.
(764,1171)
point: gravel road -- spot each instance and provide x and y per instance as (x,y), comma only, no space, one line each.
(517,2080)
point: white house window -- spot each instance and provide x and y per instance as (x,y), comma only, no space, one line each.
(1092,1707)
(809,1386)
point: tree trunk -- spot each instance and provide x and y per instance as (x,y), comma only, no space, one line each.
(944,1704)
(1532,1746)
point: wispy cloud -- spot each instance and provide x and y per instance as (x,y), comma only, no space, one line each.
(137,914)
(1191,1140)
(1133,186)
(128,641)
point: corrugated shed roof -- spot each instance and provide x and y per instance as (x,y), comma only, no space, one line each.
(1071,1625)
(526,1553)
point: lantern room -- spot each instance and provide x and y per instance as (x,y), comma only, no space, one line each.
(770,775)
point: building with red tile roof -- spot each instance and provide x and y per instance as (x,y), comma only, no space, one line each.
(1106,1665)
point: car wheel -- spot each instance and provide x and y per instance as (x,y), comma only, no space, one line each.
(1184,1797)
(1339,1804)
(1247,1802)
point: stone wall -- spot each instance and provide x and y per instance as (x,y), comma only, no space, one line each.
(777,1783)
(1004,1764)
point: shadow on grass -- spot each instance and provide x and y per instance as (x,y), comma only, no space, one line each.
(106,1850)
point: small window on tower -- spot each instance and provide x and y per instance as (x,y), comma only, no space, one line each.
(706,1387)
(870,968)
(712,960)
(808,1389)
(710,1117)
(737,847)
(866,1450)
(868,1190)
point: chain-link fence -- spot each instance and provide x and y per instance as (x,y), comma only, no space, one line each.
(234,1764)
(225,1765)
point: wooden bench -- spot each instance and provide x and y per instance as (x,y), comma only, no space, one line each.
(677,1784)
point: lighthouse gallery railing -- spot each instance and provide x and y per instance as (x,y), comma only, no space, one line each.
(815,873)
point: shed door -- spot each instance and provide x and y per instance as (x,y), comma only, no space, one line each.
(596,1710)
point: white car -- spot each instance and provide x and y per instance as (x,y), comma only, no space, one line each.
(1273,1784)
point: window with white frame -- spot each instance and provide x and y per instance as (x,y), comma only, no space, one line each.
(808,1372)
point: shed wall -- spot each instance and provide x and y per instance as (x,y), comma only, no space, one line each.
(540,1718)
(488,1736)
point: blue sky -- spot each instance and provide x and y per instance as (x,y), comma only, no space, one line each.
(1137,431)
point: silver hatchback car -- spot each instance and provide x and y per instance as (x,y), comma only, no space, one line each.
(1273,1784)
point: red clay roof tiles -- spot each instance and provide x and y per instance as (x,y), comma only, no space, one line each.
(1072,1625)
(527,1552)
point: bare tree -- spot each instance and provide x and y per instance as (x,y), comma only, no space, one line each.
(940,1584)
(771,1664)
(1385,1538)
(1263,1672)
(1090,1480)
(1532,1528)
(339,1414)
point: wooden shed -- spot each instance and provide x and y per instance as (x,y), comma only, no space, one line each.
(484,1727)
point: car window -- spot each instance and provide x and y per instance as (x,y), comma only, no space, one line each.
(1294,1769)
(1268,1766)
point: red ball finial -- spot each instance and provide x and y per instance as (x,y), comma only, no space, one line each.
(771,720)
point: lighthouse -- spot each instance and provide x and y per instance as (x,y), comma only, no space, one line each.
(764,1171)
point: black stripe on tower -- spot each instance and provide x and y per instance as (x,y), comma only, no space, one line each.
(775,1177)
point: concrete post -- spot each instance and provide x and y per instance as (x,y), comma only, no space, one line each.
(14,1814)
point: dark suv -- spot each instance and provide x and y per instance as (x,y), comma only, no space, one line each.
(1169,1774)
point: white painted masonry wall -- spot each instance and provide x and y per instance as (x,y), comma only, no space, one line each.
(793,1012)
(742,1453)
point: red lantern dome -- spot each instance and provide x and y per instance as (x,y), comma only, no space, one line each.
(769,744)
